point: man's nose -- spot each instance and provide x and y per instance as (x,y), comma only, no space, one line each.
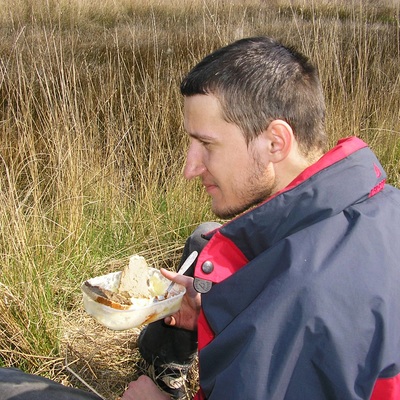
(194,163)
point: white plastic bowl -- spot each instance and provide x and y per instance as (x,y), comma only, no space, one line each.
(143,312)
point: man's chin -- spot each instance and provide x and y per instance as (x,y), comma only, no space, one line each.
(228,213)
(232,212)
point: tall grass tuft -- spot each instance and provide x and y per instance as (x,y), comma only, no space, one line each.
(92,143)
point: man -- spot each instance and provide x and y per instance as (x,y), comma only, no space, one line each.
(297,296)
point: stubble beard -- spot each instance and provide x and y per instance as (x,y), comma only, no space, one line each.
(232,212)
(259,188)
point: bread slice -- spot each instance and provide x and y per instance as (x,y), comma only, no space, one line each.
(134,278)
(106,297)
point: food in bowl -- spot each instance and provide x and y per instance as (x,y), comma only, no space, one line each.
(132,297)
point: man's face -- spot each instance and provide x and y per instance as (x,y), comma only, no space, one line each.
(235,175)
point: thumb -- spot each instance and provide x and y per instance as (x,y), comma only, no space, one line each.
(177,278)
(170,320)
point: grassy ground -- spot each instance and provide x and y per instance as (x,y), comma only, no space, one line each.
(92,147)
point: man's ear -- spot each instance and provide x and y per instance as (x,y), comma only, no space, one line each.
(280,137)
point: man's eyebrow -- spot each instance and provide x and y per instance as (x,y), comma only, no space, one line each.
(202,137)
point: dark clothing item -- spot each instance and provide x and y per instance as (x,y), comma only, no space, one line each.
(162,344)
(305,298)
(17,385)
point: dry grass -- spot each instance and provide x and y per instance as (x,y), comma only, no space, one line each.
(102,359)
(92,147)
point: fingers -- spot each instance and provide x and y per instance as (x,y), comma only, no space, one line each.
(188,313)
(143,389)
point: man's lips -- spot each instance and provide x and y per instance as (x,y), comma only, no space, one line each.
(210,187)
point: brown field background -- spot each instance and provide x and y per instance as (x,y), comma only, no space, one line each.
(92,148)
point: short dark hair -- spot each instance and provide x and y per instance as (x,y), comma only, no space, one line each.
(258,80)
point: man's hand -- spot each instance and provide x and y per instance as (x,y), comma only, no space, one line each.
(188,314)
(144,389)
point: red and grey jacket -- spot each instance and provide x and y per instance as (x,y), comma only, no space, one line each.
(301,295)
